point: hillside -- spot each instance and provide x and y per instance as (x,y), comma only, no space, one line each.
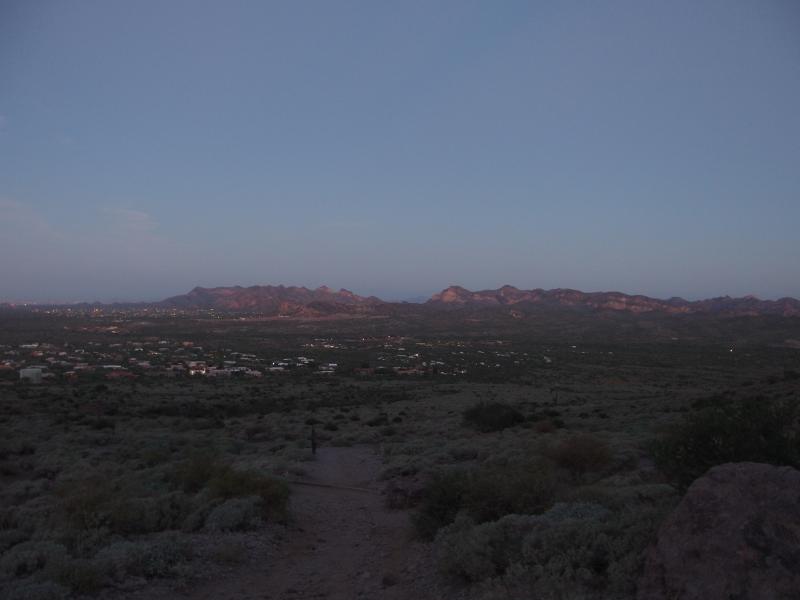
(456,296)
(278,300)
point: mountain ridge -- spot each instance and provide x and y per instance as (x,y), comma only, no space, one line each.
(283,300)
(509,295)
(299,301)
(302,301)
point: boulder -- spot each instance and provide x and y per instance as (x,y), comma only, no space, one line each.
(736,534)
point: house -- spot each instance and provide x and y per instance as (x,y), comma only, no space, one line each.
(197,367)
(33,375)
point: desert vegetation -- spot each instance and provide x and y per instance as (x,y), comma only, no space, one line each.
(539,478)
(723,429)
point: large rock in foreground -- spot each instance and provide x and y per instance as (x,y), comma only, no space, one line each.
(736,534)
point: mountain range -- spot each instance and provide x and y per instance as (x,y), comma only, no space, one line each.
(324,301)
(275,300)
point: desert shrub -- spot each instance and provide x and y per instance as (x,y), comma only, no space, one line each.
(196,519)
(443,498)
(156,456)
(38,590)
(581,454)
(99,423)
(193,474)
(18,492)
(80,575)
(591,554)
(754,429)
(157,558)
(484,494)
(11,537)
(464,453)
(147,515)
(29,557)
(225,482)
(253,432)
(82,501)
(378,421)
(236,514)
(116,558)
(526,488)
(21,448)
(477,552)
(228,482)
(85,542)
(94,504)
(492,416)
(544,426)
(571,551)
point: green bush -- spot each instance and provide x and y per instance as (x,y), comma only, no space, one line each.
(378,421)
(515,489)
(193,474)
(147,515)
(484,494)
(11,537)
(492,416)
(754,429)
(592,554)
(228,482)
(82,501)
(81,576)
(38,590)
(236,514)
(574,550)
(478,552)
(157,558)
(581,454)
(444,496)
(28,558)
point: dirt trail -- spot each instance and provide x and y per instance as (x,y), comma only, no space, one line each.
(343,545)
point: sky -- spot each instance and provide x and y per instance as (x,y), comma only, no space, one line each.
(396,148)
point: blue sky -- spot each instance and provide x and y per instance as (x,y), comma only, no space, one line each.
(394,148)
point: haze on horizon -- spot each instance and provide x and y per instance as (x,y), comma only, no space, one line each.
(395,149)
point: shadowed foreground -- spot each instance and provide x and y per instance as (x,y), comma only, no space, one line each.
(343,543)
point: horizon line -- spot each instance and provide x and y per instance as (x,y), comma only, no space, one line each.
(410,298)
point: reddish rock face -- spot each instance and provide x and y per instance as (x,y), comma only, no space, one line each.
(736,534)
(272,299)
(508,295)
(300,301)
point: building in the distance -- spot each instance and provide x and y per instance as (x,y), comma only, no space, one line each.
(33,375)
